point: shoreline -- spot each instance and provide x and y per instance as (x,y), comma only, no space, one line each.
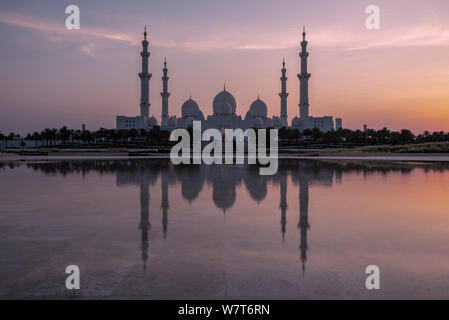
(418,157)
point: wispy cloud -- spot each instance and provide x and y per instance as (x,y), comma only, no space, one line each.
(249,40)
(423,36)
(53,28)
(88,49)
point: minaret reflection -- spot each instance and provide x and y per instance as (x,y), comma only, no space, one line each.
(303,224)
(143,174)
(164,203)
(144,224)
(283,202)
(225,182)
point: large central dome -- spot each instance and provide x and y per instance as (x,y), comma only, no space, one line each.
(218,104)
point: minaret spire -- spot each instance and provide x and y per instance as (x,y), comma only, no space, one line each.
(283,95)
(145,77)
(304,79)
(165,94)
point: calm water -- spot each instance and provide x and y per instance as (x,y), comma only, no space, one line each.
(147,229)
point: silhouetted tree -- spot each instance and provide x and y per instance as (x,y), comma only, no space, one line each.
(316,134)
(2,137)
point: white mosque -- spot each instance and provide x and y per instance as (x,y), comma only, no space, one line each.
(224,106)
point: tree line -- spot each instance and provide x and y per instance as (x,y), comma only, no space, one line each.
(371,136)
(52,137)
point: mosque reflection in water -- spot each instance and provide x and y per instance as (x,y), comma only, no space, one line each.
(224,181)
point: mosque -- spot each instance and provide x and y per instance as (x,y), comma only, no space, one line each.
(224,105)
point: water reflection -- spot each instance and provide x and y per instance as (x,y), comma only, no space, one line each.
(146,228)
(224,182)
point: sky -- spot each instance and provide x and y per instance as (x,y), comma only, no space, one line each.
(396,77)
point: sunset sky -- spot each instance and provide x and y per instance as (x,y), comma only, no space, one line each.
(397,76)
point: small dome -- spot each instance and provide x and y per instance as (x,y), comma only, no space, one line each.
(295,122)
(153,121)
(258,108)
(221,97)
(277,123)
(190,108)
(172,122)
(258,122)
(268,123)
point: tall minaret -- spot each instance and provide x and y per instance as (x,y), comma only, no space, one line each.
(304,79)
(145,79)
(283,96)
(165,94)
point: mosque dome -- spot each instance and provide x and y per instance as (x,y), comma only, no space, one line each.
(152,121)
(258,108)
(180,122)
(225,108)
(221,97)
(277,123)
(295,122)
(190,108)
(268,123)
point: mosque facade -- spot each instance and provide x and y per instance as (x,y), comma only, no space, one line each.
(224,105)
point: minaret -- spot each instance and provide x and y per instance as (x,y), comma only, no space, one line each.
(145,79)
(283,96)
(165,94)
(303,79)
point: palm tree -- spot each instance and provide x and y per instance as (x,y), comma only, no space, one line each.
(48,135)
(9,137)
(76,136)
(54,135)
(36,136)
(64,134)
(2,137)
